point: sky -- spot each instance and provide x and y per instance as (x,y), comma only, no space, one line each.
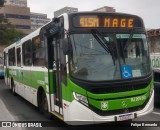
(148,10)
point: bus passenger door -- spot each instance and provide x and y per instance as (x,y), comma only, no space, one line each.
(57,77)
(19,87)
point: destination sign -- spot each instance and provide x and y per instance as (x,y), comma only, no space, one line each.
(104,21)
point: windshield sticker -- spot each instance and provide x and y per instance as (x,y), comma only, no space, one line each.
(136,73)
(126,72)
(128,35)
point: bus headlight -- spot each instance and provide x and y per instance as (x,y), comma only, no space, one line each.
(80,98)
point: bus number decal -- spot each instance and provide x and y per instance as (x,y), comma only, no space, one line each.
(140,98)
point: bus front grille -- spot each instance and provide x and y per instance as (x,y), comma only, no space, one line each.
(116,89)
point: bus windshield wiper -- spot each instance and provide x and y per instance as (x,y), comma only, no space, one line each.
(129,39)
(127,43)
(103,42)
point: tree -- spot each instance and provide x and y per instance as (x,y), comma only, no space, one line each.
(10,36)
(2,3)
(8,32)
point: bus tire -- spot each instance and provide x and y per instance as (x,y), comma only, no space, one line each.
(43,106)
(13,87)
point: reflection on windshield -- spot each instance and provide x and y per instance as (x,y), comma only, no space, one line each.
(90,61)
(134,54)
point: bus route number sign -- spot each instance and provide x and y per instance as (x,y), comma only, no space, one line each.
(103,21)
(107,22)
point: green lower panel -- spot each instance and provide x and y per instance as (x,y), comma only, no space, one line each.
(119,103)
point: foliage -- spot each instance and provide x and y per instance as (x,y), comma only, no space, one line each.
(9,36)
(2,3)
(8,33)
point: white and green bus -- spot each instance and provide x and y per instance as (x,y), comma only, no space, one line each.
(87,66)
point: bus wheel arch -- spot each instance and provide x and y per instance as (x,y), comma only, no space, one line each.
(39,97)
(43,102)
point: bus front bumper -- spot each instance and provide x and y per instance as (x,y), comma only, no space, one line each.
(79,114)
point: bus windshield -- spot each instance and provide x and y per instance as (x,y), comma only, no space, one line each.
(126,57)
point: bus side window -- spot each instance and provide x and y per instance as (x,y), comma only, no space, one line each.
(63,64)
(11,53)
(39,51)
(18,57)
(5,59)
(27,53)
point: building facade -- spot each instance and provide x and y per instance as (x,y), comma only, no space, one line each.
(38,20)
(21,3)
(106,9)
(19,16)
(65,10)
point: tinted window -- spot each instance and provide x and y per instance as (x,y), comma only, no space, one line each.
(27,53)
(11,53)
(5,58)
(39,52)
(17,16)
(23,27)
(18,57)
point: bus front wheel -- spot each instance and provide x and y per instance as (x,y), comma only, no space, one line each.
(43,106)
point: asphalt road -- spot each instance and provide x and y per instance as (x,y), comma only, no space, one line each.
(22,110)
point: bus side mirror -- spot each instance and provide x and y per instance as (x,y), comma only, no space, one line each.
(66,47)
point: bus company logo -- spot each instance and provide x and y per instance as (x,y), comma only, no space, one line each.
(104,105)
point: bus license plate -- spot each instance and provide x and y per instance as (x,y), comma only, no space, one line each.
(125,117)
